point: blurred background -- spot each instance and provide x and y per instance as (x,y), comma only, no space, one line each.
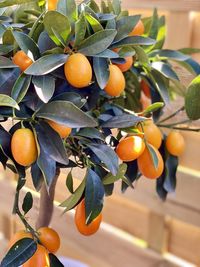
(139,230)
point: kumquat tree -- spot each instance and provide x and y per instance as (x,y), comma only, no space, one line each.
(86,86)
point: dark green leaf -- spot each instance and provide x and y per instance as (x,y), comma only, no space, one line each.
(5,49)
(94,195)
(6,63)
(101,70)
(54,261)
(153,155)
(171,165)
(141,55)
(69,182)
(189,51)
(6,3)
(152,108)
(127,51)
(7,101)
(80,31)
(19,253)
(97,42)
(134,40)
(66,113)
(37,176)
(107,54)
(171,54)
(122,121)
(71,97)
(47,64)
(21,87)
(94,6)
(110,179)
(44,87)
(68,8)
(27,202)
(94,23)
(27,45)
(165,69)
(91,133)
(116,6)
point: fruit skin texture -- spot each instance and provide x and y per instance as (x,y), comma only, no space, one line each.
(52,4)
(127,65)
(175,143)
(39,259)
(116,82)
(84,229)
(138,29)
(130,148)
(18,236)
(22,60)
(145,88)
(146,166)
(78,70)
(23,147)
(62,130)
(49,238)
(152,133)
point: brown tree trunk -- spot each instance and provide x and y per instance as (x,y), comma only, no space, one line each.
(46,203)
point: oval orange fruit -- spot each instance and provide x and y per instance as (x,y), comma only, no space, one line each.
(22,60)
(49,238)
(62,130)
(175,143)
(39,259)
(138,29)
(127,65)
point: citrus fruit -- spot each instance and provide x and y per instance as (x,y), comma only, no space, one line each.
(22,60)
(80,219)
(39,259)
(49,238)
(138,29)
(146,165)
(52,4)
(62,130)
(127,65)
(18,236)
(130,148)
(145,88)
(152,133)
(23,147)
(78,70)
(116,82)
(175,143)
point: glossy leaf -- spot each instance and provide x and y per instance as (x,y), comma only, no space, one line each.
(69,182)
(171,54)
(97,42)
(153,155)
(125,25)
(68,8)
(80,30)
(107,54)
(46,64)
(165,69)
(131,174)
(110,179)
(152,108)
(66,113)
(6,63)
(134,40)
(92,133)
(101,70)
(54,261)
(94,195)
(94,23)
(21,87)
(75,98)
(37,176)
(122,121)
(27,203)
(171,165)
(7,101)
(5,49)
(44,87)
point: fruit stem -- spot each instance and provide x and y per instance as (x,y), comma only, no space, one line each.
(46,203)
(172,115)
(190,129)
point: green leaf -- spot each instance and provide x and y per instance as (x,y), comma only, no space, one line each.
(44,87)
(101,70)
(169,54)
(152,108)
(107,54)
(68,8)
(80,30)
(6,3)
(27,203)
(127,51)
(75,198)
(94,23)
(192,99)
(110,179)
(94,195)
(106,155)
(165,69)
(91,133)
(122,121)
(141,55)
(125,25)
(133,40)
(46,64)
(127,181)
(5,49)
(189,51)
(6,63)
(116,6)
(56,21)
(7,101)
(19,253)
(69,182)
(153,155)
(8,38)
(171,166)
(93,5)
(97,42)
(54,261)
(75,98)
(27,45)
(65,113)
(21,87)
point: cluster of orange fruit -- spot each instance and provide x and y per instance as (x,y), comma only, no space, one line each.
(78,70)
(48,242)
(134,148)
(24,145)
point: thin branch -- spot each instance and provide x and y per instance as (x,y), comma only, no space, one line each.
(172,115)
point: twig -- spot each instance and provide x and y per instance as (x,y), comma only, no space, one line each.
(172,115)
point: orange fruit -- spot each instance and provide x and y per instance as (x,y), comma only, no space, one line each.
(49,238)
(138,29)
(146,166)
(39,259)
(78,70)
(127,65)
(152,133)
(175,143)
(145,101)
(62,130)
(145,88)
(18,236)
(52,4)
(130,148)
(22,60)
(116,82)
(80,219)
(23,147)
